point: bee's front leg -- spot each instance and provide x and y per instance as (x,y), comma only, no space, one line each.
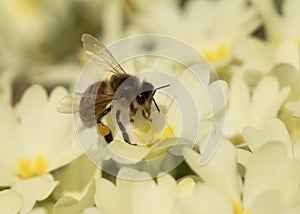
(147,113)
(132,112)
(123,129)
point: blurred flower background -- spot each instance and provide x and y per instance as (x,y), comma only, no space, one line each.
(254,45)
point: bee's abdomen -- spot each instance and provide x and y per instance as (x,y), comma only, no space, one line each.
(87,110)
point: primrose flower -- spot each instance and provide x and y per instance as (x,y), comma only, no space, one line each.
(253,109)
(75,189)
(274,130)
(275,182)
(72,181)
(127,194)
(143,195)
(273,185)
(221,181)
(69,204)
(35,140)
(201,24)
(283,36)
(288,75)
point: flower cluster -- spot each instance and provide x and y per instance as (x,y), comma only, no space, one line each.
(253,45)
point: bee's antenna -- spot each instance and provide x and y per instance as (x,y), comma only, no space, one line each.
(160,87)
(164,86)
(155,105)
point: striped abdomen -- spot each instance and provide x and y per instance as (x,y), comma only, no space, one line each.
(88,110)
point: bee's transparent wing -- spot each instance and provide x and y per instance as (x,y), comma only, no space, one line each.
(103,56)
(71,103)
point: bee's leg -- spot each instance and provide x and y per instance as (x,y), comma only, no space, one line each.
(132,112)
(102,129)
(122,128)
(146,113)
(105,112)
(105,132)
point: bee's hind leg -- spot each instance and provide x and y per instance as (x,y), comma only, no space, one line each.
(102,129)
(105,132)
(105,112)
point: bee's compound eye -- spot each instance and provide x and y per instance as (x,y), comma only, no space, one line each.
(140,99)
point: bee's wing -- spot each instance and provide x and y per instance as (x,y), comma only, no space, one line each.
(71,103)
(98,50)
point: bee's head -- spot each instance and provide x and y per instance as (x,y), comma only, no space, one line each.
(144,99)
(145,94)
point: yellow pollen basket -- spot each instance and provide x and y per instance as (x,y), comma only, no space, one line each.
(217,54)
(237,209)
(27,169)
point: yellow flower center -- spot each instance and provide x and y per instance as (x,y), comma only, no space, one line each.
(297,42)
(217,54)
(168,132)
(27,169)
(237,139)
(237,209)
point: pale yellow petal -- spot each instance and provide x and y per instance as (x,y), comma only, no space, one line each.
(144,192)
(10,144)
(125,153)
(294,107)
(274,130)
(11,201)
(92,210)
(205,200)
(277,173)
(74,178)
(106,197)
(266,101)
(34,189)
(7,178)
(68,204)
(238,106)
(220,172)
(254,53)
(267,202)
(287,75)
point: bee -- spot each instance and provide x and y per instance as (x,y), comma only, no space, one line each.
(96,101)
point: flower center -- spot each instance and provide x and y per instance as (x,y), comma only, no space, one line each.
(148,133)
(217,54)
(27,169)
(297,42)
(168,132)
(237,209)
